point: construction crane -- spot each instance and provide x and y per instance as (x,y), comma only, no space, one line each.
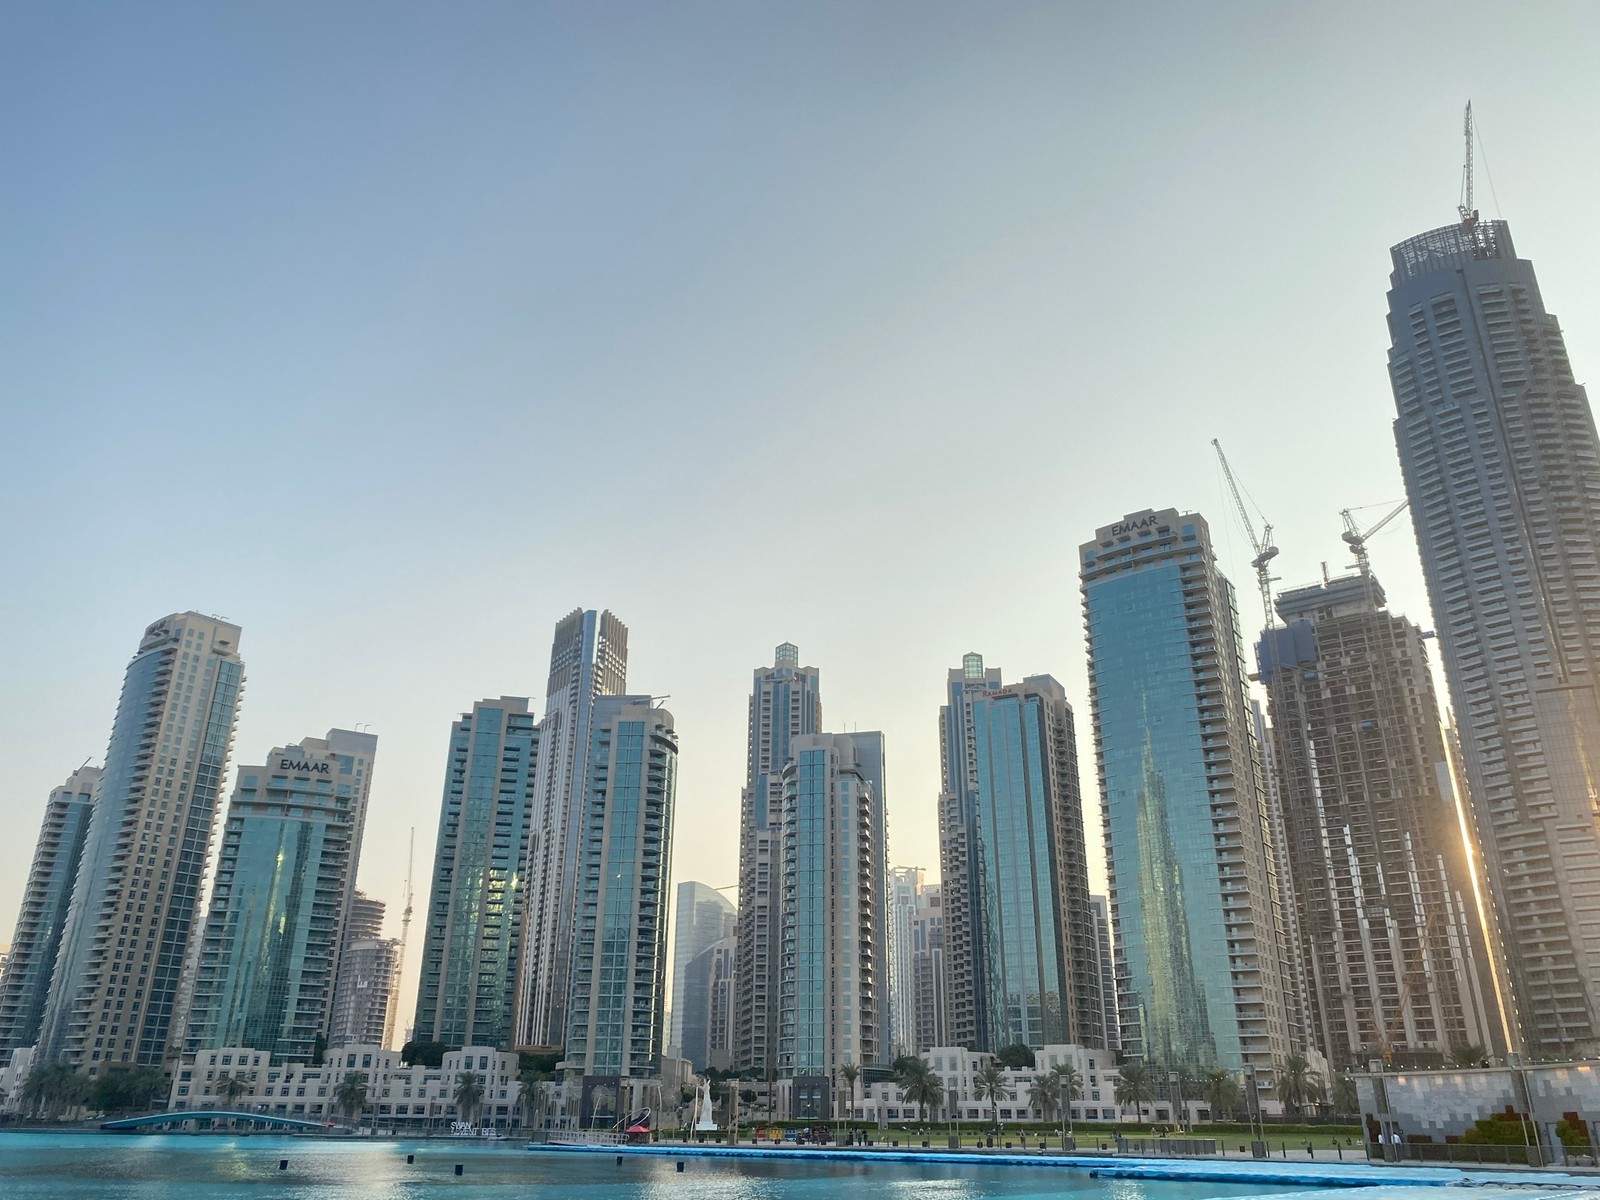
(405,936)
(1356,538)
(1469,215)
(1261,543)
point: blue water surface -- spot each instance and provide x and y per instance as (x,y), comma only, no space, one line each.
(97,1166)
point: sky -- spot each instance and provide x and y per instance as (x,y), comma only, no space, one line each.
(395,332)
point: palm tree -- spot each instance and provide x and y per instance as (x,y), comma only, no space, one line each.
(230,1088)
(990,1084)
(350,1097)
(849,1073)
(1471,1055)
(1071,1087)
(1221,1091)
(468,1095)
(534,1083)
(1136,1086)
(924,1089)
(1044,1093)
(1298,1084)
(1345,1097)
(47,1091)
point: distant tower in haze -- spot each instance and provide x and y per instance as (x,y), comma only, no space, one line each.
(368,974)
(905,894)
(588,659)
(1201,957)
(1016,879)
(278,909)
(617,1001)
(701,918)
(1389,927)
(785,703)
(133,916)
(466,988)
(25,982)
(1502,467)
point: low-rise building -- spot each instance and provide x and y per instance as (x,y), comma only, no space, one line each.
(398,1096)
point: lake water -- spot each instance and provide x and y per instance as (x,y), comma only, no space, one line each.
(95,1166)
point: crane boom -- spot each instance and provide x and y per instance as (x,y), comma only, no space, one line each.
(1469,215)
(1356,538)
(1261,543)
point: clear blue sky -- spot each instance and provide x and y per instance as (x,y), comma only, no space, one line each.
(394,332)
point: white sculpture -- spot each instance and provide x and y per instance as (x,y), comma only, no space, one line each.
(705,1121)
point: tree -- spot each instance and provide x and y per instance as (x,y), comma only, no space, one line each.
(230,1088)
(1135,1086)
(1016,1056)
(903,1061)
(1345,1097)
(924,1089)
(468,1094)
(1045,1093)
(350,1097)
(848,1074)
(535,1081)
(1221,1091)
(1071,1088)
(989,1083)
(1472,1055)
(425,1054)
(1298,1084)
(143,1084)
(48,1091)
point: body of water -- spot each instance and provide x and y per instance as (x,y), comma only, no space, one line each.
(97,1166)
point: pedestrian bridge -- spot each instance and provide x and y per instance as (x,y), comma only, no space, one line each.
(207,1114)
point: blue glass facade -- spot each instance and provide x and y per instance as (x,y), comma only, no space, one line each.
(467,987)
(272,937)
(1198,931)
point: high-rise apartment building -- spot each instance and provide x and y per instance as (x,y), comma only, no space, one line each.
(467,986)
(617,1003)
(25,980)
(1502,466)
(1201,957)
(905,891)
(132,920)
(707,1005)
(928,1027)
(364,992)
(280,900)
(701,917)
(785,703)
(1389,929)
(1015,864)
(834,1001)
(1106,964)
(588,659)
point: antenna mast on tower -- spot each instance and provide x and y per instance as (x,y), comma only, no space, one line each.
(1469,215)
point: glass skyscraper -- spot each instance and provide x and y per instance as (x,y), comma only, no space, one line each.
(701,918)
(617,1003)
(785,703)
(1016,867)
(1200,950)
(281,899)
(114,997)
(25,981)
(1502,466)
(588,659)
(466,991)
(834,998)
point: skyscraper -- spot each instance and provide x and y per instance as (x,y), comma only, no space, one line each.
(1389,929)
(1199,943)
(905,892)
(279,904)
(834,1002)
(928,972)
(1107,965)
(1013,849)
(785,702)
(1502,466)
(130,926)
(707,1001)
(25,981)
(618,992)
(588,659)
(701,917)
(466,990)
(364,989)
